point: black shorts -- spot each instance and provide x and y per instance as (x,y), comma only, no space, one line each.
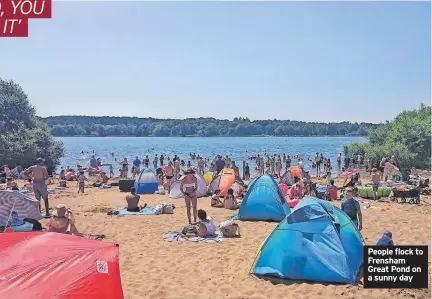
(169,177)
(133,210)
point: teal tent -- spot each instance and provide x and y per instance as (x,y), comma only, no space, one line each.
(316,242)
(264,201)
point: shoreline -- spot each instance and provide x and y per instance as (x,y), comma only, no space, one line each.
(249,136)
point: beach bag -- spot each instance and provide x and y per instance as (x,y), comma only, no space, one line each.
(168,209)
(229,229)
(190,230)
(159,209)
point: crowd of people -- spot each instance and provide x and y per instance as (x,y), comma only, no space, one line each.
(169,170)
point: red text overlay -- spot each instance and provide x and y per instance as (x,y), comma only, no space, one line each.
(14,15)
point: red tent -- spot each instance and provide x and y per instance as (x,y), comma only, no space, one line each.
(41,265)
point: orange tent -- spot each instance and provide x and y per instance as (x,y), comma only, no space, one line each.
(223,181)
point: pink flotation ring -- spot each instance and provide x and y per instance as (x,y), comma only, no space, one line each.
(284,188)
(293,202)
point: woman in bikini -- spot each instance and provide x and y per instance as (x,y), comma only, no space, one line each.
(63,221)
(189,186)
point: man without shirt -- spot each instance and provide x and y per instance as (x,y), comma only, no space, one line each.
(39,174)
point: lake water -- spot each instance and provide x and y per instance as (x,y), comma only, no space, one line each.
(238,149)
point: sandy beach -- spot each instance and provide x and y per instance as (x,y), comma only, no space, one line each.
(154,268)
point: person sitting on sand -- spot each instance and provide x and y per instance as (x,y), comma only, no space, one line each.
(230,202)
(207,226)
(296,190)
(375,178)
(132,200)
(386,239)
(352,208)
(216,202)
(104,177)
(332,190)
(309,188)
(70,175)
(243,192)
(62,221)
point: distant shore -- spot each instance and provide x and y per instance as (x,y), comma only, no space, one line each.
(194,136)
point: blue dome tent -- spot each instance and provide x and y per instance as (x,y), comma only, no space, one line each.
(264,201)
(316,242)
(146,182)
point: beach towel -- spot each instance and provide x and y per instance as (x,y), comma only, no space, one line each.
(149,210)
(179,237)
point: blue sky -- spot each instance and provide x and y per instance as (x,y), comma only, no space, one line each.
(330,61)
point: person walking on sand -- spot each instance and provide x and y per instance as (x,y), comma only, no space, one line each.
(40,174)
(188,186)
(352,208)
(375,178)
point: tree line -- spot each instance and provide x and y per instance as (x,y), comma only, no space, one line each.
(408,137)
(23,136)
(199,127)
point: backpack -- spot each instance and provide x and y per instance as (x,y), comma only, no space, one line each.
(350,209)
(229,229)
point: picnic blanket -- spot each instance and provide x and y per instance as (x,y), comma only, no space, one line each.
(179,237)
(149,210)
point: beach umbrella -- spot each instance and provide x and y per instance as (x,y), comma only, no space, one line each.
(42,265)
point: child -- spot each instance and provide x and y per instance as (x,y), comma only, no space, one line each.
(160,180)
(104,178)
(230,202)
(352,208)
(375,178)
(81,178)
(215,200)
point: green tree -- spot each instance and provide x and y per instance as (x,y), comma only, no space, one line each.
(408,137)
(23,136)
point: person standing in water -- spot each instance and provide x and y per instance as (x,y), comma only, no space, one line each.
(188,186)
(40,174)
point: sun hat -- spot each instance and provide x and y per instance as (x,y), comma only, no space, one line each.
(60,210)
